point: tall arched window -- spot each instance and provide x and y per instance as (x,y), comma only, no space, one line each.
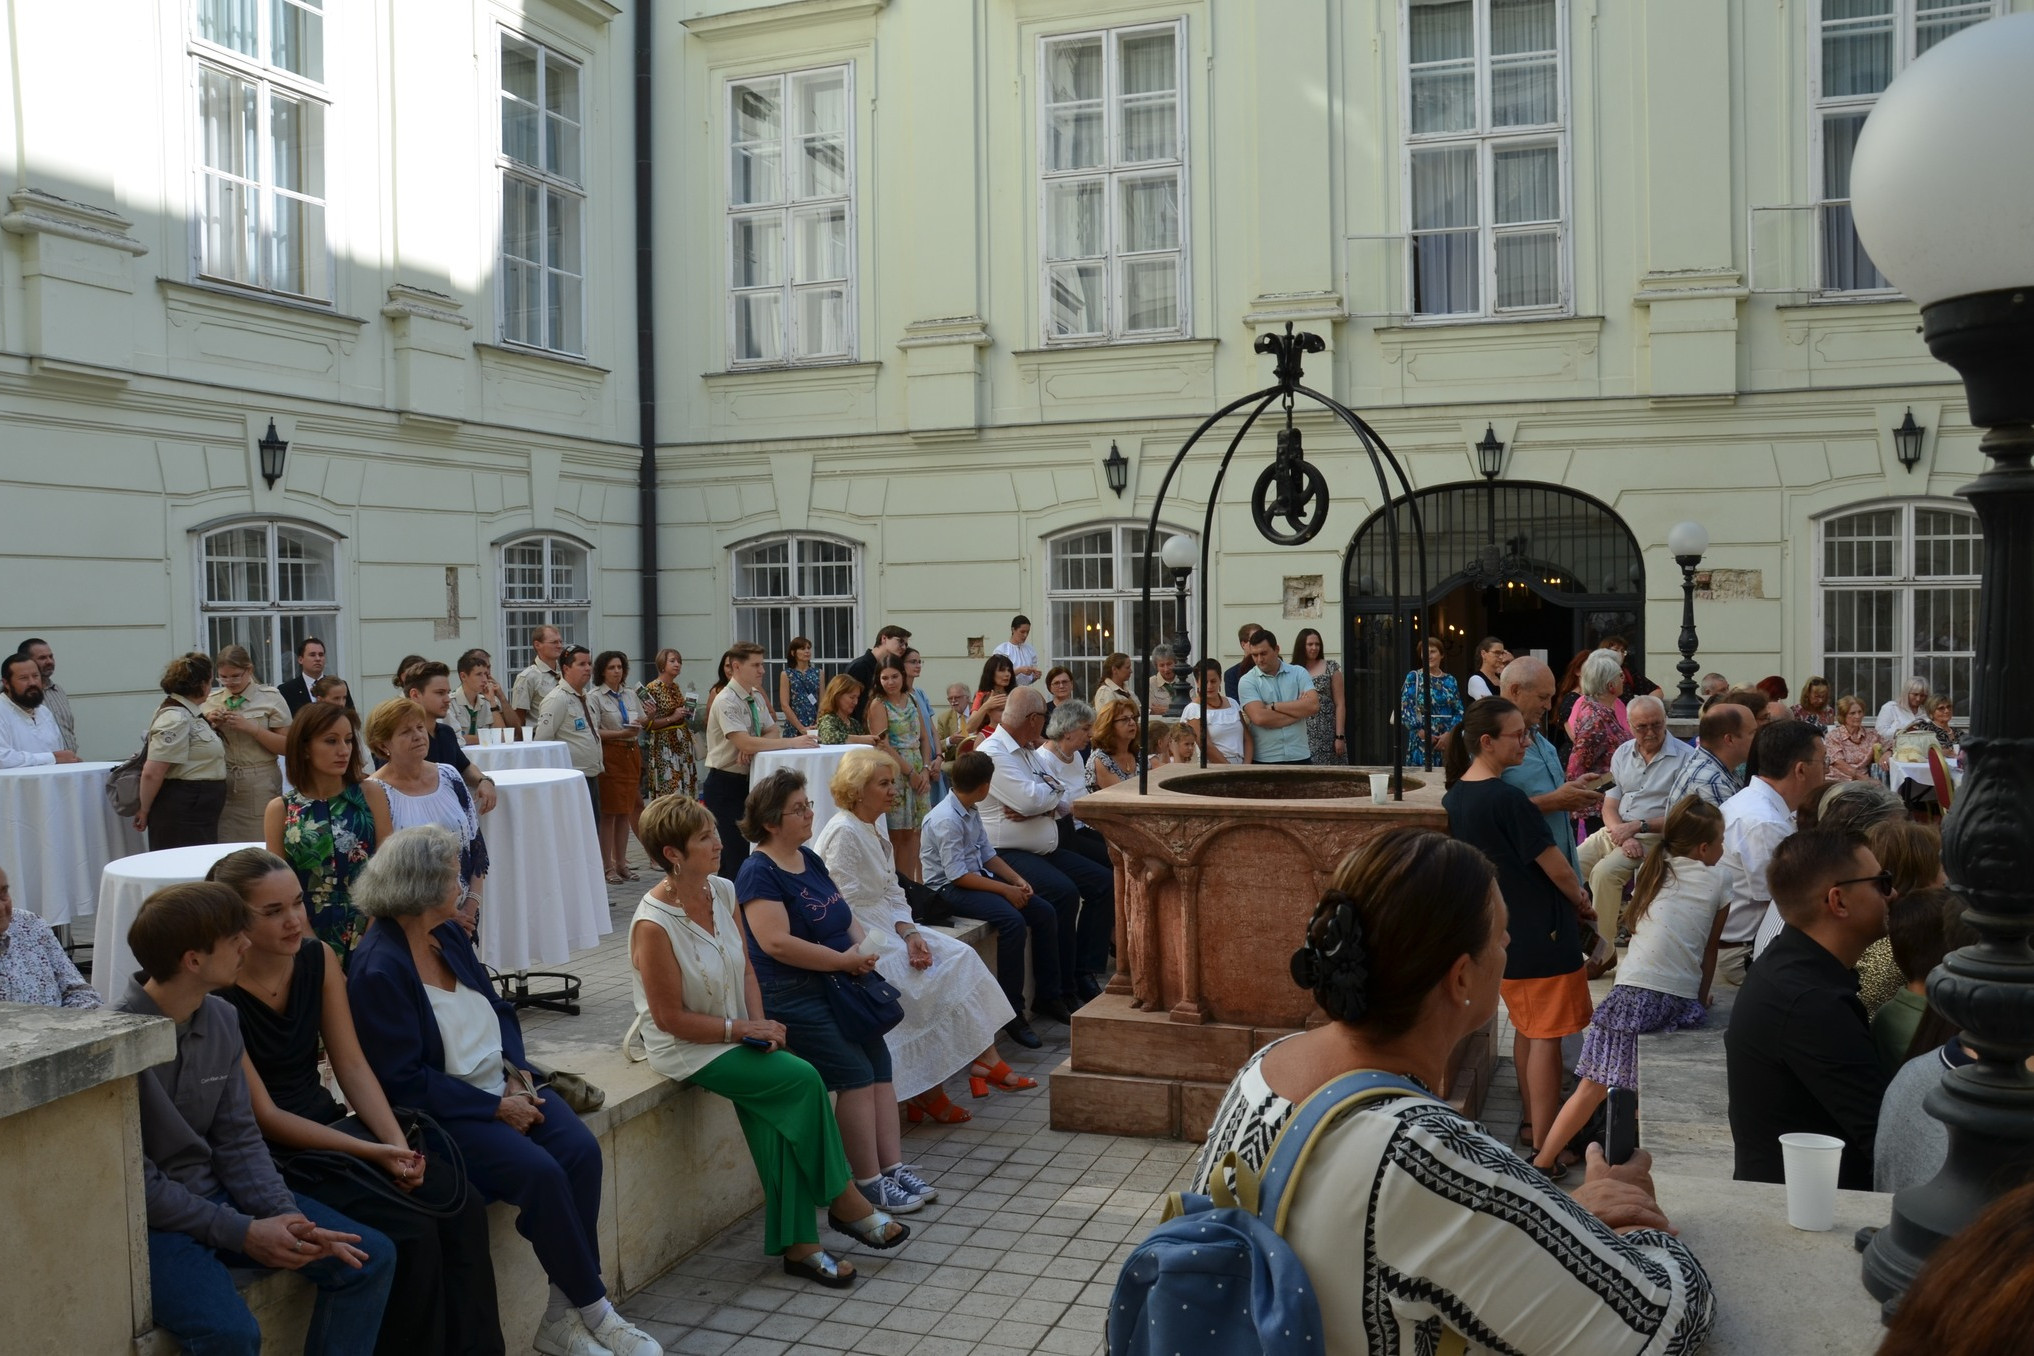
(545,581)
(1094,581)
(796,585)
(267,585)
(1899,593)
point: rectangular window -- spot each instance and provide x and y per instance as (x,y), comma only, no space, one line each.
(790,218)
(1094,600)
(1899,600)
(543,199)
(266,586)
(798,586)
(1112,184)
(262,107)
(545,581)
(1486,157)
(1861,46)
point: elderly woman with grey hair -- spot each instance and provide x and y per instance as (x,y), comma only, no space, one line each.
(1069,732)
(439,1040)
(1163,662)
(1597,724)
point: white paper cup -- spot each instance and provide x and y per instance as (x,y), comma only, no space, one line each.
(1380,787)
(1810,1163)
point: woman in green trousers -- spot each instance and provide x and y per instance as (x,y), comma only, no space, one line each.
(694,993)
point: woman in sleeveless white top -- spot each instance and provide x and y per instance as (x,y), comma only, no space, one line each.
(693,990)
(421,792)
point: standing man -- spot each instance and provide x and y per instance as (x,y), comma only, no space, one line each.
(1232,677)
(1792,770)
(1528,684)
(1277,698)
(739,725)
(1798,1052)
(567,714)
(1023,656)
(310,668)
(1491,657)
(1635,805)
(54,699)
(533,684)
(214,1197)
(891,640)
(29,735)
(429,685)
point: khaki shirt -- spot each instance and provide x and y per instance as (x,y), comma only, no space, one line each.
(571,717)
(736,709)
(532,685)
(184,739)
(264,706)
(469,718)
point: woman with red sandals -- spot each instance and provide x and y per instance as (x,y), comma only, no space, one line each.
(953,1006)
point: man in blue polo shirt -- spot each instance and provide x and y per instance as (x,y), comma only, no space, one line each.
(1277,698)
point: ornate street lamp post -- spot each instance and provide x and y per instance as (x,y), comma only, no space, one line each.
(1178,555)
(1943,190)
(1687,541)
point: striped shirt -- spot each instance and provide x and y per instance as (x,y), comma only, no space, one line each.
(1703,774)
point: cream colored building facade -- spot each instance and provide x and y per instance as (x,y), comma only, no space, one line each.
(919,267)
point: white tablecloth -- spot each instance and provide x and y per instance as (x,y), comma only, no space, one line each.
(123,887)
(1897,773)
(546,894)
(56,832)
(818,765)
(493,758)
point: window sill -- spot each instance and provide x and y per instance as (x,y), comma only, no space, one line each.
(1113,345)
(245,302)
(778,371)
(1494,323)
(543,359)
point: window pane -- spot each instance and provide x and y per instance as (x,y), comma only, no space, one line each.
(1150,214)
(1073,70)
(759,335)
(519,113)
(1528,269)
(296,255)
(1083,564)
(561,138)
(763,571)
(832,633)
(1077,305)
(1441,30)
(1444,188)
(567,581)
(563,248)
(236,566)
(1074,226)
(1857,55)
(297,135)
(1150,64)
(565,308)
(229,231)
(1527,184)
(1083,633)
(821,103)
(303,567)
(255,631)
(822,167)
(757,245)
(1947,542)
(1525,93)
(1151,294)
(758,115)
(1073,137)
(1522,26)
(1862,545)
(757,174)
(1150,131)
(299,36)
(522,572)
(290,629)
(769,627)
(230,23)
(1444,99)
(821,245)
(822,322)
(229,122)
(758,147)
(826,569)
(561,89)
(1445,269)
(1937,19)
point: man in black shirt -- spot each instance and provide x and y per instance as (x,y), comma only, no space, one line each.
(429,685)
(1232,678)
(1799,1050)
(891,640)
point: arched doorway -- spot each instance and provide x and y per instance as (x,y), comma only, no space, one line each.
(1542,567)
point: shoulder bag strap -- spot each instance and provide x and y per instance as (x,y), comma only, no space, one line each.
(1296,1140)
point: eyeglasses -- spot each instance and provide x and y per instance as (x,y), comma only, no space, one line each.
(800,808)
(1883,882)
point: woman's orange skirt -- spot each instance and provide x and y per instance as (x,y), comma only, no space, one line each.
(621,785)
(1550,1008)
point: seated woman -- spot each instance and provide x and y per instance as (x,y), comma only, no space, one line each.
(1063,754)
(326,825)
(421,792)
(440,1041)
(998,681)
(694,994)
(835,725)
(291,996)
(800,929)
(1114,739)
(952,1007)
(1424,1220)
(33,966)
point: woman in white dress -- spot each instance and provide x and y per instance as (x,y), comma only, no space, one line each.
(953,1006)
(1228,734)
(421,792)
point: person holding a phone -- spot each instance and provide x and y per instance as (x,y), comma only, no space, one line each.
(699,1016)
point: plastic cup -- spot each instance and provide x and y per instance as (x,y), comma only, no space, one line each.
(1380,787)
(1810,1163)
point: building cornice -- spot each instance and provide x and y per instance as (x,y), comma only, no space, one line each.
(769,18)
(35,212)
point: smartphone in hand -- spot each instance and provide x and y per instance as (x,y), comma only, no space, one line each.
(1620,1125)
(756,1043)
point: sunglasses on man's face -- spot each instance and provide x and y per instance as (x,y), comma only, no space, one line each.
(1883,882)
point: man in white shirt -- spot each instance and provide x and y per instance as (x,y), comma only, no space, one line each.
(1791,772)
(739,725)
(566,714)
(1635,805)
(29,734)
(1021,818)
(1023,656)
(533,684)
(54,699)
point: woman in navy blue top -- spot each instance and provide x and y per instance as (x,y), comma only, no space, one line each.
(800,928)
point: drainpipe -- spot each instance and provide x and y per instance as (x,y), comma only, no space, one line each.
(646,342)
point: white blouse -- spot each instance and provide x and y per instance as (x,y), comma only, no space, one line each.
(472,1036)
(1225,729)
(714,969)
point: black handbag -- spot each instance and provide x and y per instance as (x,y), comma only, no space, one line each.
(928,906)
(864,1006)
(442,1193)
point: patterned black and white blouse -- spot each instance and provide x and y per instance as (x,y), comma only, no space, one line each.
(1454,1229)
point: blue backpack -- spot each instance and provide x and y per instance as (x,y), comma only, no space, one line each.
(1216,1277)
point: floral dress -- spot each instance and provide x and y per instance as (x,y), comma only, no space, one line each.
(834,730)
(805,694)
(327,842)
(908,744)
(669,765)
(1447,699)
(1321,724)
(1597,726)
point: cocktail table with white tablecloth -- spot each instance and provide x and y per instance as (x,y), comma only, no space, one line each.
(818,765)
(494,758)
(123,887)
(546,894)
(57,832)
(1896,773)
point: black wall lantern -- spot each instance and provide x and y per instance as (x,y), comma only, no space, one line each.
(273,449)
(1907,441)
(1118,468)
(1490,453)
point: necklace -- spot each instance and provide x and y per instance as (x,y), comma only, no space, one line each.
(268,993)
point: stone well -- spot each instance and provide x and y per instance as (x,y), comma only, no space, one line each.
(1217,872)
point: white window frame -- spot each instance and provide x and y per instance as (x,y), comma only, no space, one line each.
(548,183)
(1122,596)
(279,662)
(797,602)
(787,209)
(1905,36)
(1904,581)
(269,80)
(1113,175)
(571,614)
(1487,139)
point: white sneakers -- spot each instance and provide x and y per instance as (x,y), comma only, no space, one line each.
(568,1335)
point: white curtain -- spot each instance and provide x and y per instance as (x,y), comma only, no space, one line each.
(230,23)
(1149,64)
(1151,293)
(822,317)
(1845,265)
(1443,95)
(1077,304)
(1859,47)
(759,332)
(1150,215)
(820,252)
(1074,225)
(1446,265)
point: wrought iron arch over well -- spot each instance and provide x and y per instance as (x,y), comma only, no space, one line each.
(1540,566)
